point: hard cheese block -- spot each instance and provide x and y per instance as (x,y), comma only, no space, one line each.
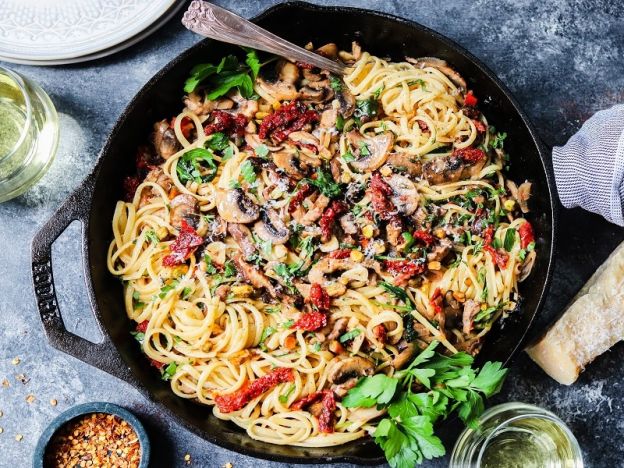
(591,324)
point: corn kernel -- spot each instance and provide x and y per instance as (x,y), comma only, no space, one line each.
(385,171)
(162,232)
(345,178)
(439,233)
(380,247)
(367,231)
(276,105)
(242,290)
(261,115)
(484,306)
(509,204)
(357,256)
(459,296)
(434,266)
(468,282)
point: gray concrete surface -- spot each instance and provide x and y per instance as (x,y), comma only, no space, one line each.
(563,60)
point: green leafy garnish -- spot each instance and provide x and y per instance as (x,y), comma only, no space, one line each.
(189,167)
(284,398)
(364,151)
(227,153)
(152,237)
(210,268)
(340,122)
(326,184)
(449,384)
(510,239)
(368,108)
(139,336)
(335,83)
(262,151)
(378,92)
(229,269)
(169,371)
(217,142)
(307,247)
(168,287)
(498,140)
(287,324)
(348,156)
(248,172)
(227,74)
(350,335)
(268,331)
(397,292)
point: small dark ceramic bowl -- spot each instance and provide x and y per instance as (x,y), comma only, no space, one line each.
(88,408)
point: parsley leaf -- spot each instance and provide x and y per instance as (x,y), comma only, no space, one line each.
(325,183)
(152,237)
(248,172)
(189,166)
(397,292)
(510,239)
(268,331)
(217,142)
(169,371)
(369,391)
(350,335)
(284,397)
(262,151)
(498,140)
(335,83)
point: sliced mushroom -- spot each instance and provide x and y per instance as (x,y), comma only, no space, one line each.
(439,64)
(338,329)
(234,207)
(345,374)
(443,169)
(405,197)
(405,355)
(347,223)
(440,250)
(242,236)
(247,107)
(315,211)
(328,265)
(329,118)
(329,50)
(217,229)
(405,162)
(254,276)
(527,266)
(346,102)
(376,148)
(316,95)
(289,163)
(282,88)
(158,176)
(183,208)
(164,139)
(288,71)
(471,308)
(394,229)
(271,227)
(524,193)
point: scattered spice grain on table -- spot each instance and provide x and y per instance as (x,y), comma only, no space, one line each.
(96,439)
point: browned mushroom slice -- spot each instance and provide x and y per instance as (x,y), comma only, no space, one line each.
(346,102)
(183,208)
(443,169)
(372,152)
(439,64)
(329,118)
(524,193)
(254,276)
(281,87)
(405,196)
(440,250)
(316,95)
(346,373)
(242,236)
(234,207)
(315,212)
(329,50)
(289,163)
(405,162)
(347,223)
(200,106)
(406,352)
(271,227)
(164,139)
(471,308)
(158,176)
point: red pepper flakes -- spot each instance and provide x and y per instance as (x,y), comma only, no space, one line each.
(436,301)
(95,439)
(304,191)
(311,321)
(226,123)
(403,269)
(329,217)
(470,99)
(328,401)
(287,119)
(526,234)
(424,237)
(237,400)
(470,155)
(340,254)
(319,298)
(183,246)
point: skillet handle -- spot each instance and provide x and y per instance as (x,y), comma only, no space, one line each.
(102,355)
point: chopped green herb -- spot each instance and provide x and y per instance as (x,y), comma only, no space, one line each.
(284,398)
(287,324)
(186,292)
(510,239)
(368,108)
(335,83)
(498,140)
(217,142)
(347,157)
(152,237)
(409,241)
(325,183)
(272,309)
(168,287)
(229,269)
(248,172)
(364,151)
(210,268)
(169,371)
(139,336)
(234,184)
(340,122)
(189,167)
(262,151)
(397,292)
(227,153)
(350,335)
(378,92)
(268,331)
(316,347)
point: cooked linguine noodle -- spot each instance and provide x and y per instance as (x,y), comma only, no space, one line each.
(274,250)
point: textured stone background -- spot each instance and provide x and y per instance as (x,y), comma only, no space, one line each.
(563,60)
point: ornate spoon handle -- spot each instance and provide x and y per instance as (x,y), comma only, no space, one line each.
(217,23)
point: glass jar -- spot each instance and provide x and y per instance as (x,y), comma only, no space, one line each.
(29,133)
(517,435)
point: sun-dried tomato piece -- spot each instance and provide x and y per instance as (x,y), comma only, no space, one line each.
(183,246)
(237,400)
(311,321)
(304,191)
(226,123)
(287,119)
(319,298)
(470,155)
(329,218)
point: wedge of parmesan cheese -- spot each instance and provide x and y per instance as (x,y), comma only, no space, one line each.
(591,324)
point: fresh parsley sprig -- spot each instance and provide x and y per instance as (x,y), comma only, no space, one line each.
(431,388)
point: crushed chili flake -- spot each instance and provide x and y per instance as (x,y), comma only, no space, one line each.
(226,123)
(329,217)
(183,246)
(287,119)
(304,191)
(102,439)
(469,155)
(526,234)
(423,126)
(237,400)
(319,298)
(311,321)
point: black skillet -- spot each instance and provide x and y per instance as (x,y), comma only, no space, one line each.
(94,201)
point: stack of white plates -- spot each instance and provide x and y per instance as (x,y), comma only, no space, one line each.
(55,32)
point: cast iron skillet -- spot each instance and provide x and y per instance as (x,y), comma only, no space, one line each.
(94,201)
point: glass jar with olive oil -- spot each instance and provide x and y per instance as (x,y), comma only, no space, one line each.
(29,133)
(517,435)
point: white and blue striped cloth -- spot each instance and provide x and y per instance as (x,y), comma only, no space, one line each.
(589,168)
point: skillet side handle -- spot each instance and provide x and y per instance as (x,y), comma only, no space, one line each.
(103,355)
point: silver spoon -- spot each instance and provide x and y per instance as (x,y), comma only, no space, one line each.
(217,23)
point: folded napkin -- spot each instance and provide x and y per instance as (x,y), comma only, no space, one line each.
(589,168)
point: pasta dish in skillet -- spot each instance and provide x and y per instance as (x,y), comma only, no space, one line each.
(290,232)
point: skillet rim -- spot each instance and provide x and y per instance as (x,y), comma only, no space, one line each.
(90,183)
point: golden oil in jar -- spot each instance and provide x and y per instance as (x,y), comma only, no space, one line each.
(28,133)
